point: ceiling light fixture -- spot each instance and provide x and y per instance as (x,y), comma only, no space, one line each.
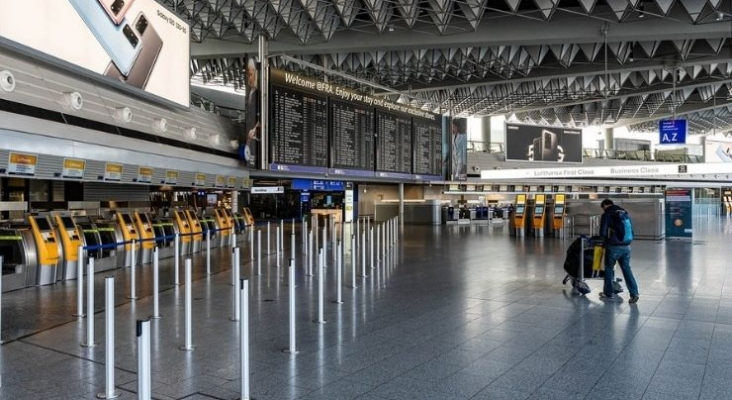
(7,81)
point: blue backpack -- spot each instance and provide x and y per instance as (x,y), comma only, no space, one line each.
(622,226)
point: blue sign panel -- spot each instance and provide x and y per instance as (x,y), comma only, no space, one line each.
(672,131)
(309,184)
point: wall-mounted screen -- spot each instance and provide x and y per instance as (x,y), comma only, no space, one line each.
(43,224)
(520,210)
(138,42)
(558,210)
(538,210)
(541,143)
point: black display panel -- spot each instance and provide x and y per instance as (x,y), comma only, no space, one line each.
(43,224)
(427,146)
(394,145)
(299,128)
(68,222)
(352,136)
(127,218)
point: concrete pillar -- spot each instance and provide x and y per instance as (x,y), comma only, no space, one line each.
(234,201)
(401,203)
(485,135)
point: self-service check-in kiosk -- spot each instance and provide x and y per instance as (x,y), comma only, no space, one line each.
(559,213)
(184,230)
(146,234)
(129,233)
(196,230)
(248,217)
(47,249)
(20,259)
(71,239)
(222,220)
(208,223)
(539,216)
(519,216)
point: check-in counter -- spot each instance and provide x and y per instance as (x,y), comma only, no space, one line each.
(196,230)
(420,212)
(68,233)
(147,236)
(222,220)
(129,233)
(47,249)
(184,230)
(20,259)
(647,215)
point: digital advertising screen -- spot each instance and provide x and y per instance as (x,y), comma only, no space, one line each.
(543,143)
(137,42)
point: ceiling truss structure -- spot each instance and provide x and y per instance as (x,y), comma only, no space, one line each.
(573,80)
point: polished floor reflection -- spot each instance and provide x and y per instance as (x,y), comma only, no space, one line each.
(451,313)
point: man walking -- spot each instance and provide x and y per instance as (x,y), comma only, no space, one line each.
(616,230)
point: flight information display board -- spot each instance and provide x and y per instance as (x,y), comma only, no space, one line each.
(299,129)
(394,143)
(352,137)
(427,146)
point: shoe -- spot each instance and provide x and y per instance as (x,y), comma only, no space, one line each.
(604,296)
(634,299)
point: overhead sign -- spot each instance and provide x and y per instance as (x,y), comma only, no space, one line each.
(113,172)
(220,181)
(73,168)
(672,131)
(144,174)
(543,143)
(200,180)
(717,150)
(139,43)
(268,189)
(231,182)
(22,164)
(171,177)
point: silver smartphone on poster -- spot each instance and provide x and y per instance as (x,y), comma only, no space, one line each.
(116,9)
(119,41)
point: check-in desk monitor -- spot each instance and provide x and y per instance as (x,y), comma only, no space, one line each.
(184,230)
(70,241)
(196,230)
(129,233)
(147,235)
(47,249)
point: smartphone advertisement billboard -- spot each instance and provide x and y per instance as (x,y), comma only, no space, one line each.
(543,143)
(137,42)
(717,150)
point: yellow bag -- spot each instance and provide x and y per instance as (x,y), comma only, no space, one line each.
(598,260)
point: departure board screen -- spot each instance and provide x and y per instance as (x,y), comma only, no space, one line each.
(299,130)
(428,146)
(394,144)
(352,136)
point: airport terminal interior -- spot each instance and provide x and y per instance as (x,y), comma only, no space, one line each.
(364,199)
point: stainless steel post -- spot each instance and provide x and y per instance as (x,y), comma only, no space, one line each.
(292,245)
(133,278)
(378,243)
(188,345)
(90,304)
(371,246)
(237,299)
(324,246)
(208,252)
(244,338)
(109,392)
(144,381)
(353,261)
(309,253)
(156,283)
(291,291)
(176,252)
(268,235)
(259,252)
(79,283)
(321,284)
(339,273)
(281,249)
(363,253)
(277,249)
(251,243)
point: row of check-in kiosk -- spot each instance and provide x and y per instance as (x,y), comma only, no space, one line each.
(44,249)
(538,216)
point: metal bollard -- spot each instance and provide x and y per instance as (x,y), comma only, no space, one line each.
(109,392)
(363,254)
(237,299)
(353,261)
(378,244)
(292,245)
(371,246)
(281,249)
(321,284)
(1,307)
(234,279)
(79,283)
(144,381)
(90,305)
(259,252)
(268,235)
(324,246)
(208,252)
(293,338)
(339,273)
(251,243)
(176,252)
(277,248)
(309,254)
(156,283)
(244,339)
(133,278)
(188,345)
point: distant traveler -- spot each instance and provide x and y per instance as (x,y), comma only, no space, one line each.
(617,232)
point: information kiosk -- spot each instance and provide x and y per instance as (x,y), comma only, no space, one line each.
(184,230)
(196,230)
(559,213)
(539,217)
(129,233)
(47,249)
(520,215)
(68,232)
(147,235)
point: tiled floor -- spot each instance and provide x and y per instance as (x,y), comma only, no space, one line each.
(453,313)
